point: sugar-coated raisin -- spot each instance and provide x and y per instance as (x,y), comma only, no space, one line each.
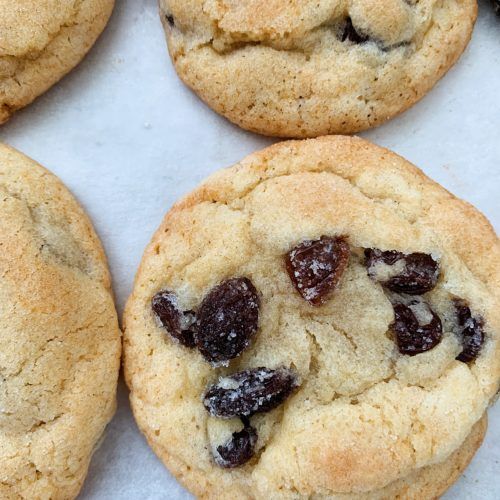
(227,320)
(315,267)
(238,450)
(251,391)
(179,324)
(471,332)
(414,273)
(416,326)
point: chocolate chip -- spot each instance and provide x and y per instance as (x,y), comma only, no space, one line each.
(238,450)
(227,320)
(180,325)
(251,391)
(414,273)
(315,267)
(471,332)
(351,34)
(416,326)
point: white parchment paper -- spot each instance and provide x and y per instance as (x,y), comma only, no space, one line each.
(128,139)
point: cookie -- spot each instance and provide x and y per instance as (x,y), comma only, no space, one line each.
(310,68)
(432,481)
(320,320)
(60,342)
(41,41)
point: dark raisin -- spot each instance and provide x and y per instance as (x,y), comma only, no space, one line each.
(251,391)
(351,34)
(227,320)
(414,274)
(180,325)
(315,267)
(471,331)
(170,20)
(238,450)
(416,326)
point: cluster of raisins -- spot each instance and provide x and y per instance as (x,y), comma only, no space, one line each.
(224,324)
(417,328)
(316,266)
(221,329)
(227,320)
(242,395)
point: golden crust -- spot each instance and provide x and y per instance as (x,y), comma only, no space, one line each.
(280,68)
(60,342)
(432,481)
(40,42)
(365,416)
(428,483)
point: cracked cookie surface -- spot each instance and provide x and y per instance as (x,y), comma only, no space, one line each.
(40,41)
(308,68)
(59,336)
(364,419)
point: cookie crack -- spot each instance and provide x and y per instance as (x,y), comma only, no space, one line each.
(225,42)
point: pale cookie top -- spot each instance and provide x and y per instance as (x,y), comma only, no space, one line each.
(40,41)
(304,68)
(352,413)
(59,341)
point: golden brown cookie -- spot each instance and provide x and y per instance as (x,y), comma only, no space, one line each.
(320,320)
(432,481)
(59,336)
(40,41)
(305,68)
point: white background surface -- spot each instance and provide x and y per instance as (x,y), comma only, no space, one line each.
(128,139)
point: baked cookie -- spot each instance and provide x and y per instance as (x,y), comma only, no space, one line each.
(59,342)
(320,320)
(304,68)
(40,41)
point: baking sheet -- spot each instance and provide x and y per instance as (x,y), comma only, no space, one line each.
(128,139)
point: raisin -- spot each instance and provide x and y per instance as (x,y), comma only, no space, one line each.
(496,6)
(180,325)
(414,274)
(227,320)
(471,331)
(170,20)
(416,326)
(251,391)
(351,34)
(238,450)
(315,267)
